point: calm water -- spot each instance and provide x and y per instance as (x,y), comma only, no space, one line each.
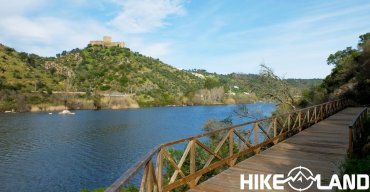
(41,152)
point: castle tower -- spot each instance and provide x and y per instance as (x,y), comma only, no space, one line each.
(107,39)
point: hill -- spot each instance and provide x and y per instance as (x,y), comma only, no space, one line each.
(350,76)
(114,77)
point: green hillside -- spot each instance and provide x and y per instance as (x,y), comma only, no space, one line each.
(350,76)
(250,82)
(92,73)
(104,69)
(24,80)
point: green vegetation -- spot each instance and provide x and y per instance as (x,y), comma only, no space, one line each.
(201,154)
(350,76)
(356,166)
(130,188)
(359,163)
(23,80)
(29,80)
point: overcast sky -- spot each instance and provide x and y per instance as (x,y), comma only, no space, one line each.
(292,37)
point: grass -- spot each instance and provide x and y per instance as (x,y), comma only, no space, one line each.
(359,163)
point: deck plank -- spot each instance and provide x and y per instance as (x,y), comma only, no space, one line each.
(321,148)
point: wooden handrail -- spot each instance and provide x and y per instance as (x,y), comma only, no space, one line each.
(266,132)
(242,124)
(356,129)
(133,170)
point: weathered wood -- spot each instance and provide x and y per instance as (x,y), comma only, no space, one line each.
(149,176)
(172,162)
(299,121)
(208,149)
(231,145)
(277,129)
(308,148)
(154,178)
(192,162)
(255,129)
(263,130)
(159,169)
(247,143)
(356,129)
(181,162)
(350,139)
(144,178)
(215,165)
(289,118)
(209,161)
(132,171)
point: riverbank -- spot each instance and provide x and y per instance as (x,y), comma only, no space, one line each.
(92,148)
(53,108)
(45,108)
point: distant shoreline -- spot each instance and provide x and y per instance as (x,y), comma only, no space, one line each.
(54,108)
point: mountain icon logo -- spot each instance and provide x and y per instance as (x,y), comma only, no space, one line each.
(300,178)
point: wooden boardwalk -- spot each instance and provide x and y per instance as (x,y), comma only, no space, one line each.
(321,148)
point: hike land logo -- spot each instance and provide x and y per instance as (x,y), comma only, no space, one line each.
(301,178)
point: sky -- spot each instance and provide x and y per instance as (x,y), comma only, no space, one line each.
(292,37)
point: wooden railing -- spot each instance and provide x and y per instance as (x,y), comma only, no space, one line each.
(356,130)
(239,141)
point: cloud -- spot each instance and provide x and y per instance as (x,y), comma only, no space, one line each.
(47,35)
(294,47)
(156,50)
(46,28)
(16,7)
(146,15)
(217,36)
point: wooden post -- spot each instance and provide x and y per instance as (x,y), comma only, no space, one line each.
(289,117)
(149,177)
(159,169)
(255,128)
(144,178)
(308,116)
(192,162)
(350,144)
(275,141)
(275,128)
(299,120)
(231,146)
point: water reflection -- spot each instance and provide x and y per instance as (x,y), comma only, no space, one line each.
(42,152)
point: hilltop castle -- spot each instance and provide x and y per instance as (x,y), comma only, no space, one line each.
(107,41)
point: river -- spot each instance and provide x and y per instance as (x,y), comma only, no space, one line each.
(91,149)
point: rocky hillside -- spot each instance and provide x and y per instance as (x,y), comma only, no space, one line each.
(94,75)
(106,69)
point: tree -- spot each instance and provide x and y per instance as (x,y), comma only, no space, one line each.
(97,102)
(211,82)
(350,76)
(363,39)
(338,57)
(123,80)
(274,87)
